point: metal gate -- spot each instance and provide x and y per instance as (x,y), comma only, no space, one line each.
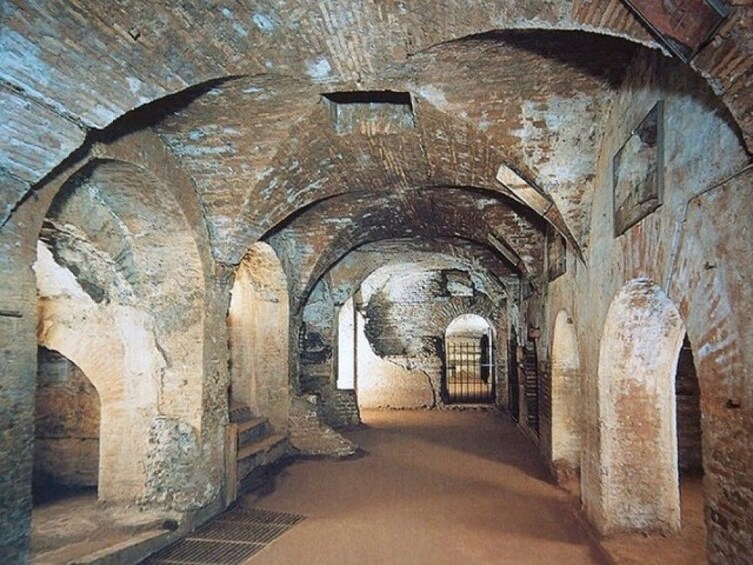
(470,374)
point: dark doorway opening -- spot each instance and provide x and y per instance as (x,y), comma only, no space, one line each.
(470,375)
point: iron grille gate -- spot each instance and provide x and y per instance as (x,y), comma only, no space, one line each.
(470,375)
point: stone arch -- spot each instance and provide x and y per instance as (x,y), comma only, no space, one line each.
(470,324)
(128,215)
(258,327)
(20,241)
(566,398)
(393,371)
(640,345)
(473,380)
(119,277)
(113,346)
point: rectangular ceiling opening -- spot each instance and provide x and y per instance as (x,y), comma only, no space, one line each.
(370,112)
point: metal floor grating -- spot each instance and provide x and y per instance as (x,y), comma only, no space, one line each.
(229,539)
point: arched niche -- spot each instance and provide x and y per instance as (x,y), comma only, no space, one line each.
(638,359)
(117,218)
(258,327)
(566,398)
(115,347)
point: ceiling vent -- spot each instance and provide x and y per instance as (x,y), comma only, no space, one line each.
(370,112)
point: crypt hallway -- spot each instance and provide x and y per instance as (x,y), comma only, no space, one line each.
(437,487)
(446,487)
(287,239)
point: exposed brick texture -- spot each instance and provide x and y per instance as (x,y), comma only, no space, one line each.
(146,148)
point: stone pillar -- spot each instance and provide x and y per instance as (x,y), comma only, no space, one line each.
(18,359)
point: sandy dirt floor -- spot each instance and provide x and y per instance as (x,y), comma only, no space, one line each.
(433,487)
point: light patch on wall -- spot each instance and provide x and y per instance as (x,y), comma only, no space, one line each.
(264,22)
(468,325)
(319,69)
(346,347)
(558,138)
(239,29)
(434,95)
(54,280)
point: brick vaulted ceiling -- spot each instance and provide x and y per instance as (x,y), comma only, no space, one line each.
(240,87)
(260,148)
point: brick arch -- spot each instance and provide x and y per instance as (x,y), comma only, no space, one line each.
(483,308)
(493,312)
(20,237)
(640,345)
(158,256)
(114,347)
(320,312)
(708,299)
(154,73)
(433,212)
(131,339)
(258,330)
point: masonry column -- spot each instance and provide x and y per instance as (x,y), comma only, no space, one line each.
(18,359)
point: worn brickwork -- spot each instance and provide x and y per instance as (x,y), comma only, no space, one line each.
(66,424)
(96,342)
(320,315)
(406,315)
(689,433)
(684,251)
(162,142)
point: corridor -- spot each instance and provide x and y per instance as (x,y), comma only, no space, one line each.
(431,487)
(229,229)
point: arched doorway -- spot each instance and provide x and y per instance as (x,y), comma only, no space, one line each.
(258,332)
(566,399)
(690,445)
(469,375)
(66,429)
(638,362)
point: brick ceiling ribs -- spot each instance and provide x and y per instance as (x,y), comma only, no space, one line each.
(540,116)
(236,94)
(411,255)
(311,243)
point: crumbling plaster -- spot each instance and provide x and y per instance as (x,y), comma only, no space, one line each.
(62,89)
(318,366)
(19,291)
(406,311)
(321,236)
(247,40)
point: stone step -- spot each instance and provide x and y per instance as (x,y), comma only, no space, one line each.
(132,549)
(252,430)
(262,452)
(239,412)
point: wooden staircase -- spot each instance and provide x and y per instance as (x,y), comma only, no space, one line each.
(256,446)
